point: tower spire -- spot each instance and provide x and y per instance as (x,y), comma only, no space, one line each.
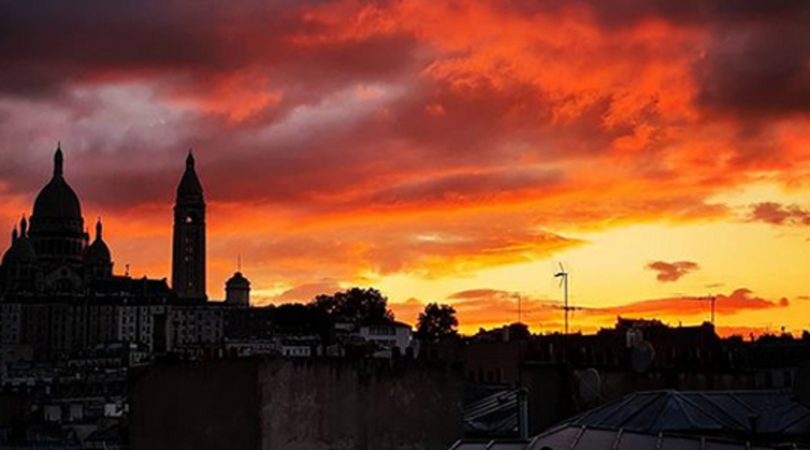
(23,226)
(98,229)
(58,161)
(188,251)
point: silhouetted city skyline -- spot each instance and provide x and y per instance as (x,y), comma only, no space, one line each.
(405,224)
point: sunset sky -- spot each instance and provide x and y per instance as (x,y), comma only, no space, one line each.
(449,151)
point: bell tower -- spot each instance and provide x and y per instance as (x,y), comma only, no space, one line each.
(188,253)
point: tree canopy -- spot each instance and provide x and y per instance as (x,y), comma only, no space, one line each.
(362,305)
(437,322)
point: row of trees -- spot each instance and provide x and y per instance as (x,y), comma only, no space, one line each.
(437,322)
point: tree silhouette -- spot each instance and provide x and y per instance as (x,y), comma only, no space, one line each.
(519,332)
(362,305)
(437,322)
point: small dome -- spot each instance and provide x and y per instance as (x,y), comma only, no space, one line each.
(57,200)
(237,281)
(98,250)
(21,251)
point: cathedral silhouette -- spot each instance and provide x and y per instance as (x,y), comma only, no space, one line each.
(59,294)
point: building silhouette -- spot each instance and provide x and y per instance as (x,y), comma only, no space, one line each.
(237,291)
(59,294)
(188,255)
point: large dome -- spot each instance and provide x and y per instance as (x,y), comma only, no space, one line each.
(57,199)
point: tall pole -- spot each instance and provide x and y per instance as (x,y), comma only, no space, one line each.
(565,283)
(562,273)
(710,298)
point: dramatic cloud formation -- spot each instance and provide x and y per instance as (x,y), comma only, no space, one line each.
(353,141)
(670,272)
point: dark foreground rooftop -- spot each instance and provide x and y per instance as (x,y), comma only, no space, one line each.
(664,420)
(727,413)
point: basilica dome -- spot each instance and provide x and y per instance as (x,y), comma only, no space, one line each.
(57,200)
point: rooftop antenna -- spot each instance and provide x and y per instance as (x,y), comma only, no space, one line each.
(563,275)
(709,298)
(239,263)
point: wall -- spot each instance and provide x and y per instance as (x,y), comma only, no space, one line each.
(314,405)
(306,404)
(195,407)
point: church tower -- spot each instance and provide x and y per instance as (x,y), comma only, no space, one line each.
(188,255)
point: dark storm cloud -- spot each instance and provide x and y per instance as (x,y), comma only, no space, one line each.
(758,70)
(755,62)
(628,12)
(50,44)
(193,54)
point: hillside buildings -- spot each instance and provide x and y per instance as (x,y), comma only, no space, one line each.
(59,294)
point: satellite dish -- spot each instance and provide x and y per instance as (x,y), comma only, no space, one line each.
(590,385)
(643,356)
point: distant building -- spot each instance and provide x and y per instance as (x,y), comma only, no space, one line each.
(237,291)
(387,336)
(300,346)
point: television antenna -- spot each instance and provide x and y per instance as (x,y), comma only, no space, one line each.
(563,275)
(709,298)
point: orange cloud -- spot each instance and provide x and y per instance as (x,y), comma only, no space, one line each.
(777,214)
(739,300)
(669,272)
